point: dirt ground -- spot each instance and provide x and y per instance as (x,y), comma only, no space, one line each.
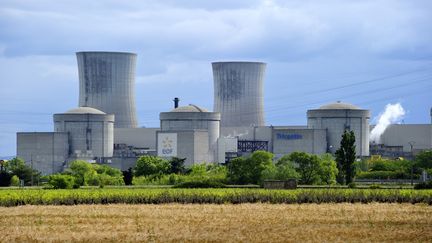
(218,223)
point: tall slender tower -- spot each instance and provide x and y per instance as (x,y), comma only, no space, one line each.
(107,83)
(238,93)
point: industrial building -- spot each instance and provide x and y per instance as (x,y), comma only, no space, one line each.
(103,128)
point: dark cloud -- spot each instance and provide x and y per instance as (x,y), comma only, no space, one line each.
(307,45)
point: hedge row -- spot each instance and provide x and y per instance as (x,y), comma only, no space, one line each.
(218,196)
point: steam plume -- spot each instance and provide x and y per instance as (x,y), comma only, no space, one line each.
(393,113)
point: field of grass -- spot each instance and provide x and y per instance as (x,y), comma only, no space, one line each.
(217,196)
(345,222)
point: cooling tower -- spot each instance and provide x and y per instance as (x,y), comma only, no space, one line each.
(238,93)
(107,83)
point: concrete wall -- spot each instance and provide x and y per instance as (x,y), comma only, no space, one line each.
(192,145)
(190,121)
(90,135)
(401,135)
(337,121)
(286,141)
(47,150)
(107,83)
(137,137)
(238,93)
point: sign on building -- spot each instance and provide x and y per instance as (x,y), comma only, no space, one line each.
(167,144)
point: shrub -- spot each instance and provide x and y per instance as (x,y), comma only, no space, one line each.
(374,186)
(5,179)
(384,175)
(128,176)
(83,172)
(308,166)
(59,181)
(423,185)
(150,165)
(352,185)
(15,181)
(328,169)
(200,184)
(249,170)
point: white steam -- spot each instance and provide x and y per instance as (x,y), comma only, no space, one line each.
(393,114)
(236,134)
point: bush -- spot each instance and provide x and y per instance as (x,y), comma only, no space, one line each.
(150,165)
(19,168)
(59,181)
(5,179)
(15,181)
(249,170)
(423,185)
(308,166)
(352,185)
(383,175)
(200,184)
(374,186)
(128,176)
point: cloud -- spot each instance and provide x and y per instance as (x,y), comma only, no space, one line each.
(196,29)
(307,44)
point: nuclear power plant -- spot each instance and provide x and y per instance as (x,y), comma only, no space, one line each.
(104,128)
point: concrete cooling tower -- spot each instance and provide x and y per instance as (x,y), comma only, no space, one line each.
(238,93)
(107,83)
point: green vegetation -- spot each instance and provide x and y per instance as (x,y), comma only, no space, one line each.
(17,167)
(59,181)
(249,170)
(383,169)
(345,157)
(424,185)
(196,173)
(213,195)
(424,161)
(86,174)
(200,184)
(151,165)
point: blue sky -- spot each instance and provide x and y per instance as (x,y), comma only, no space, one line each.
(369,53)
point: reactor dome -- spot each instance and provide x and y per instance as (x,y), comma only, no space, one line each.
(338,117)
(85,110)
(91,132)
(339,106)
(189,108)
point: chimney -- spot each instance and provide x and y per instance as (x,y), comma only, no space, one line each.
(176,102)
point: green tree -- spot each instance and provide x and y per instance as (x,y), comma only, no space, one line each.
(151,165)
(128,176)
(18,167)
(345,157)
(307,165)
(423,159)
(249,170)
(14,181)
(328,169)
(83,172)
(177,165)
(5,179)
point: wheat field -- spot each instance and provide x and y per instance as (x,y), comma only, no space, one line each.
(218,223)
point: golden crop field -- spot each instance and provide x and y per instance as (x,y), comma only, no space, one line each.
(379,222)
